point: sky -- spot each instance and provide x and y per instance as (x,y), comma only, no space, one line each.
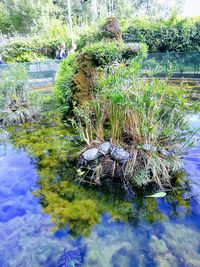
(191,8)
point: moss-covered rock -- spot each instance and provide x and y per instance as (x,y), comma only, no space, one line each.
(112,30)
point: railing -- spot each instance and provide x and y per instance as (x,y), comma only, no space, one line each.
(40,73)
(178,65)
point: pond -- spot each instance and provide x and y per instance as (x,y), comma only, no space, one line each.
(43,212)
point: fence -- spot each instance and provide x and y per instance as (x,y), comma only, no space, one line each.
(178,65)
(40,73)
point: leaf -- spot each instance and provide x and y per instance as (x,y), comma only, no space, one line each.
(158,194)
(79,172)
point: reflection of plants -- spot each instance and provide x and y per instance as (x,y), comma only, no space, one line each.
(16,102)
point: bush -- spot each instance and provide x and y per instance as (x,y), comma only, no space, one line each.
(170,35)
(64,83)
(104,53)
(36,47)
(17,104)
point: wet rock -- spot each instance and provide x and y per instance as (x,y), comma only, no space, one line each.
(162,255)
(120,155)
(70,258)
(105,148)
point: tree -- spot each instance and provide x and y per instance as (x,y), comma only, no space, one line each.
(70,20)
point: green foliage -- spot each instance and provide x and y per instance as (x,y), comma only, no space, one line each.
(172,35)
(160,35)
(17,104)
(64,84)
(78,75)
(24,17)
(104,53)
(138,114)
(4,20)
(36,47)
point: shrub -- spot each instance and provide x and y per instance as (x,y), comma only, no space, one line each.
(104,53)
(35,47)
(170,35)
(17,104)
(64,83)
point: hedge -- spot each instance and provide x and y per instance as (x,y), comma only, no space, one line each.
(169,35)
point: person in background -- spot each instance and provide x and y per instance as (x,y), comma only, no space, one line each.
(1,60)
(72,48)
(61,54)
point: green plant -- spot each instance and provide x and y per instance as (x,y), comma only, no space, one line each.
(148,118)
(17,104)
(104,53)
(64,84)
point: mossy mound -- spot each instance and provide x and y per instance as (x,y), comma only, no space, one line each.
(85,79)
(79,74)
(112,30)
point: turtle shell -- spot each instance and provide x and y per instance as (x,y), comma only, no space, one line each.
(91,154)
(105,148)
(120,155)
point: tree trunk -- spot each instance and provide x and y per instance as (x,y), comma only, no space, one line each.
(70,20)
(94,10)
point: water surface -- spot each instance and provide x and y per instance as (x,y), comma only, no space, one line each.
(148,232)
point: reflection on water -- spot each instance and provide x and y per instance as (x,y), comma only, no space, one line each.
(107,229)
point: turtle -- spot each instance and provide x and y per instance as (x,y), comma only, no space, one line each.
(120,155)
(165,152)
(105,148)
(70,258)
(89,155)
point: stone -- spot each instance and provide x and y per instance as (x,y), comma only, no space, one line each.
(162,255)
(70,258)
(120,155)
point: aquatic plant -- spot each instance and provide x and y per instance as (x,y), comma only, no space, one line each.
(17,104)
(148,118)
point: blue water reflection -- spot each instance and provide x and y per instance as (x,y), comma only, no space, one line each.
(27,239)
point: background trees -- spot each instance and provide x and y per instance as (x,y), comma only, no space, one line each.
(24,17)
